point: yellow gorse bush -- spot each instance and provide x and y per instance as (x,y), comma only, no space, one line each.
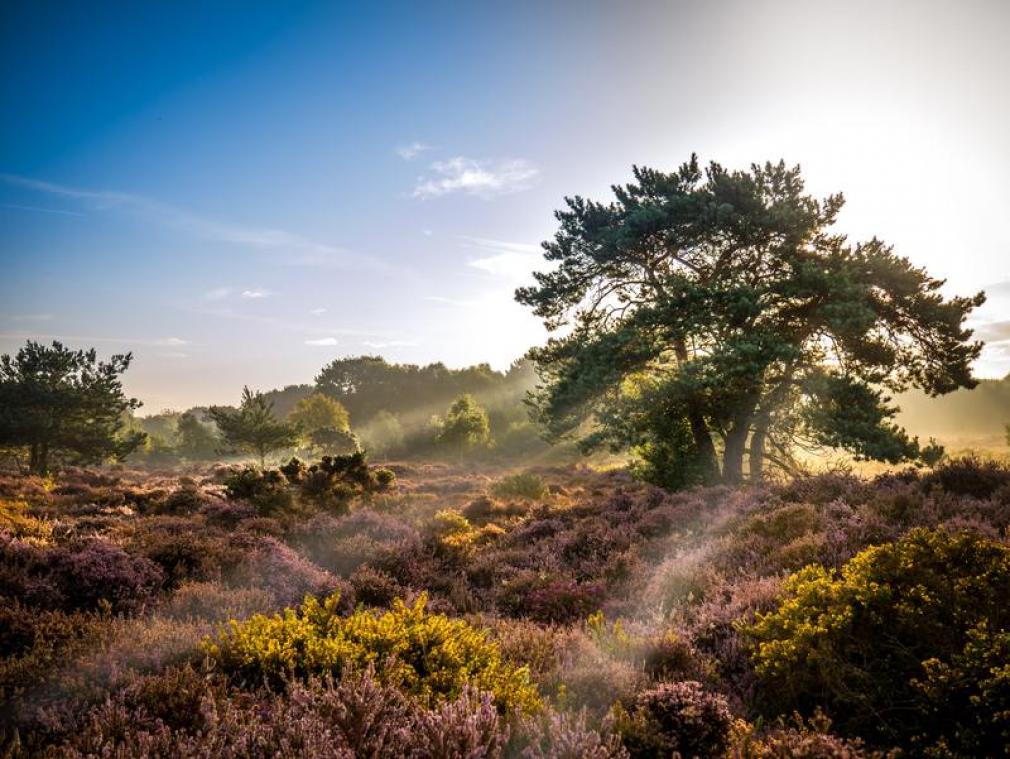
(15,519)
(429,656)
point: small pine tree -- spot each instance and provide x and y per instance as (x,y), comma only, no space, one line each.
(253,427)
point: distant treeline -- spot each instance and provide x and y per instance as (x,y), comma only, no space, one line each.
(978,415)
(394,409)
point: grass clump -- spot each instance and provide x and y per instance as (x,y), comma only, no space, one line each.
(429,656)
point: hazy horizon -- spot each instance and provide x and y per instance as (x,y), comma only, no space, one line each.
(239,195)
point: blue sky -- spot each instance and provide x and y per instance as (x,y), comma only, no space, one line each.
(240,192)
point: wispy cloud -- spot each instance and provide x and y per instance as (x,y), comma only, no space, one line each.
(297,249)
(31,317)
(218,293)
(322,341)
(317,311)
(412,150)
(378,344)
(39,209)
(255,293)
(151,342)
(512,261)
(487,178)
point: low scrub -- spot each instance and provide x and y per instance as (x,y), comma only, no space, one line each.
(429,656)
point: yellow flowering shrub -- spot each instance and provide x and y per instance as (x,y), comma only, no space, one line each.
(429,656)
(15,519)
(907,645)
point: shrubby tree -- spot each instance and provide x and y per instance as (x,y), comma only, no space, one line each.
(196,440)
(384,433)
(704,316)
(324,424)
(465,426)
(54,400)
(253,427)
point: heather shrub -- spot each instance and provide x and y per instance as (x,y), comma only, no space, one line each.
(545,598)
(185,553)
(676,719)
(970,475)
(354,716)
(185,500)
(96,571)
(214,602)
(561,735)
(900,647)
(427,655)
(805,739)
(373,587)
(524,485)
(275,567)
(479,509)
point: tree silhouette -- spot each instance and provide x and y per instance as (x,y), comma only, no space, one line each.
(253,427)
(715,312)
(57,400)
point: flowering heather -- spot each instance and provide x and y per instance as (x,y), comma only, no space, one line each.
(627,607)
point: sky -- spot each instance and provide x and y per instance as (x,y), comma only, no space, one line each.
(239,193)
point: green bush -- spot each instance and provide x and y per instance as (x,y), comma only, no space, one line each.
(906,646)
(427,655)
(266,490)
(525,485)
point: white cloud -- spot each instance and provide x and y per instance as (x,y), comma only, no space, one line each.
(412,150)
(255,293)
(296,249)
(322,341)
(512,261)
(175,341)
(483,178)
(317,311)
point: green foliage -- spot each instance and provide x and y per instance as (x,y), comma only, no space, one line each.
(324,424)
(267,490)
(428,656)
(331,483)
(524,485)
(366,385)
(54,400)
(907,645)
(253,427)
(728,296)
(465,426)
(197,441)
(335,480)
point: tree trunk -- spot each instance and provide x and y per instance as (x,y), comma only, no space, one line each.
(732,457)
(39,461)
(736,443)
(757,449)
(699,428)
